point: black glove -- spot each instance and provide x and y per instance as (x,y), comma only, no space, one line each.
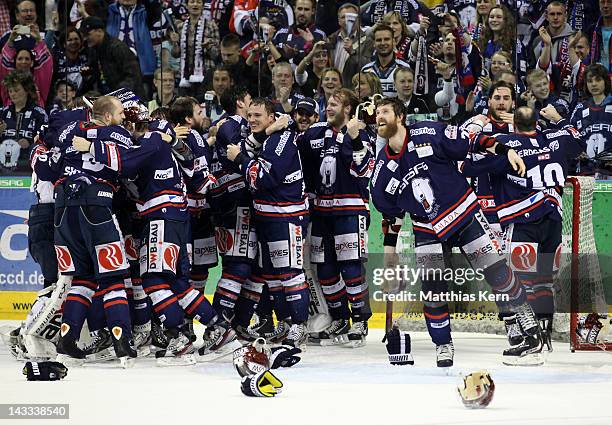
(263,384)
(398,347)
(284,356)
(45,371)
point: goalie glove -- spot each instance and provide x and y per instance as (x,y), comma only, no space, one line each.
(263,384)
(398,347)
(284,356)
(45,371)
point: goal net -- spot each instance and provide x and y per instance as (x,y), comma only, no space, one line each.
(579,287)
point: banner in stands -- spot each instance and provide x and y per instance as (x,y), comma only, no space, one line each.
(18,272)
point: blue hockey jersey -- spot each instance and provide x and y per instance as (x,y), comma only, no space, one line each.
(161,188)
(197,173)
(275,180)
(340,185)
(424,181)
(546,155)
(229,190)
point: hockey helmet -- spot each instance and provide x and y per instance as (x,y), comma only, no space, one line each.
(476,390)
(252,358)
(134,109)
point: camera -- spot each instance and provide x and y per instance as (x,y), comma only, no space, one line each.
(23,30)
(209,97)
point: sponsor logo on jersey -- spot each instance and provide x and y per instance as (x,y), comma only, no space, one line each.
(451,131)
(130,248)
(224,240)
(164,174)
(121,138)
(105,194)
(423,130)
(110,257)
(544,157)
(524,256)
(281,144)
(392,186)
(556,134)
(513,144)
(171,255)
(64,259)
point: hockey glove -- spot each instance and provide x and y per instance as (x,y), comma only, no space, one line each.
(398,347)
(284,356)
(45,371)
(263,384)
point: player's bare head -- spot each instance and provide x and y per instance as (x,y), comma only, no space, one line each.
(525,119)
(501,98)
(390,114)
(109,110)
(341,106)
(597,80)
(260,114)
(186,110)
(235,100)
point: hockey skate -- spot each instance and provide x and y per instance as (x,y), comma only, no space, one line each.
(589,327)
(335,334)
(124,350)
(100,347)
(159,340)
(262,328)
(68,352)
(178,352)
(296,337)
(357,334)
(220,342)
(142,343)
(528,352)
(279,332)
(445,354)
(513,331)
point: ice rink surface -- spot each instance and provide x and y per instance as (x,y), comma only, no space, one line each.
(331,385)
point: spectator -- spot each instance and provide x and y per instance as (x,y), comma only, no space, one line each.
(5,17)
(601,35)
(350,52)
(128,22)
(499,34)
(409,10)
(308,73)
(233,60)
(483,7)
(365,84)
(28,54)
(197,46)
(401,34)
(296,41)
(165,92)
(384,63)
(244,22)
(65,97)
(331,81)
(404,84)
(253,49)
(538,95)
(285,95)
(222,81)
(25,15)
(19,122)
(115,65)
(71,61)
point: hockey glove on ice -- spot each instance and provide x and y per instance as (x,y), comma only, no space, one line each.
(398,347)
(45,371)
(263,384)
(284,356)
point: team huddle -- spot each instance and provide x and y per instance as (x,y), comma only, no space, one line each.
(135,208)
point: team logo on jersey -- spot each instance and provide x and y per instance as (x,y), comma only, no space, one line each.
(524,256)
(64,259)
(328,171)
(423,193)
(171,255)
(224,239)
(111,257)
(130,248)
(595,144)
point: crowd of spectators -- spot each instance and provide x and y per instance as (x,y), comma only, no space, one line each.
(439,56)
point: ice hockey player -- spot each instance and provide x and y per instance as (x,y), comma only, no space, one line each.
(88,242)
(340,162)
(163,207)
(231,203)
(416,173)
(274,176)
(186,111)
(529,208)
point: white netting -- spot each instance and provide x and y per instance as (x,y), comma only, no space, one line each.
(482,316)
